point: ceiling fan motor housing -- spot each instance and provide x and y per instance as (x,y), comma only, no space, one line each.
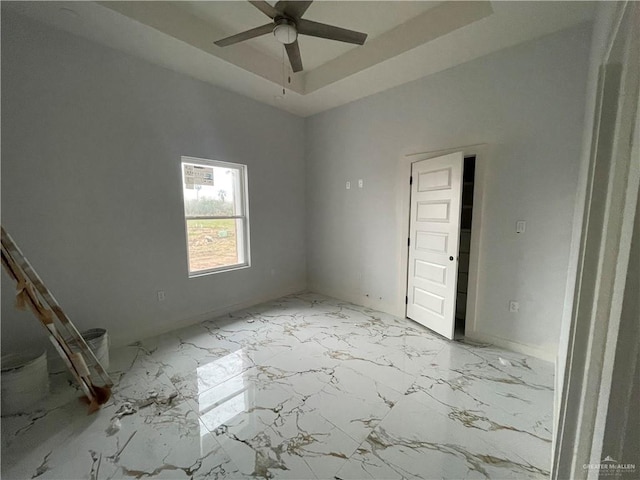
(285,30)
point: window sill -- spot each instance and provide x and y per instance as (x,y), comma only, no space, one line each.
(203,273)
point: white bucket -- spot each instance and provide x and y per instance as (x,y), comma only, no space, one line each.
(25,382)
(97,340)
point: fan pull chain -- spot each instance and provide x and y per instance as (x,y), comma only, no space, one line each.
(283,90)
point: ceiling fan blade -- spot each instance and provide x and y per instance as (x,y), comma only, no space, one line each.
(293,52)
(265,8)
(293,9)
(241,37)
(322,30)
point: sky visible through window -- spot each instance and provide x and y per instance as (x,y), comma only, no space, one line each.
(223,184)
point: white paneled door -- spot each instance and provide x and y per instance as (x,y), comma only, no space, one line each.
(436,193)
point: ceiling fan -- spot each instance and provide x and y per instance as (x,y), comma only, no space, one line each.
(288,24)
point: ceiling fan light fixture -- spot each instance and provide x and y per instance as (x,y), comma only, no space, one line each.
(285,32)
(287,23)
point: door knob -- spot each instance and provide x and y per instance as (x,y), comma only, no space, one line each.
(451,258)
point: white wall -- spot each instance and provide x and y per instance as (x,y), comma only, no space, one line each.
(91,145)
(527,103)
(90,183)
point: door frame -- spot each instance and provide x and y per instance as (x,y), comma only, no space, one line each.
(403,207)
(594,322)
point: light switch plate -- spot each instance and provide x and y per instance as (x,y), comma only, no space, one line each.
(521,226)
(348,185)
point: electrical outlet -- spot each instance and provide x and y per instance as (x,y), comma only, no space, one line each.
(514,307)
(161,296)
(360,183)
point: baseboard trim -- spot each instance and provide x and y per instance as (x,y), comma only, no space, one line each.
(541,353)
(357,299)
(122,340)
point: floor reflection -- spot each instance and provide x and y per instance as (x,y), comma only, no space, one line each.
(304,387)
(223,391)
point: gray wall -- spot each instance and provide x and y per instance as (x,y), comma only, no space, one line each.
(527,103)
(91,146)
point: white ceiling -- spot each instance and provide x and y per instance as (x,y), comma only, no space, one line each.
(407,40)
(373,18)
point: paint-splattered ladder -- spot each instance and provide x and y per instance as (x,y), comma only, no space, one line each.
(81,361)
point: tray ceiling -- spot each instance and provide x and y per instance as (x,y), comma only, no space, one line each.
(407,40)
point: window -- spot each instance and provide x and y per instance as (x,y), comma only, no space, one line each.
(216,215)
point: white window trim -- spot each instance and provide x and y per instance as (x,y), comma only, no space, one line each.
(244,192)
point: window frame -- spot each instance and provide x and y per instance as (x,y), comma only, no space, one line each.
(244,202)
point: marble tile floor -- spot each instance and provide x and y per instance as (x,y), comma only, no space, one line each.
(303,387)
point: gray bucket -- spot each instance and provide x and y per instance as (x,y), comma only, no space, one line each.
(25,381)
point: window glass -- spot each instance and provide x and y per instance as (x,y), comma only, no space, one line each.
(216,220)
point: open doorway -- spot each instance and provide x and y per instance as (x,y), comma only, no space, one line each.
(466,217)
